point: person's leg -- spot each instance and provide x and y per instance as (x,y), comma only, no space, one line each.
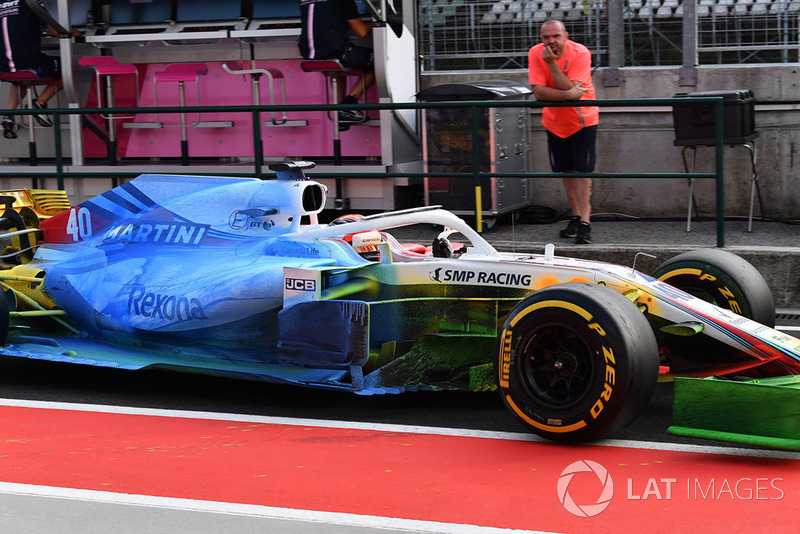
(572,189)
(367,80)
(14,94)
(363,59)
(49,92)
(560,155)
(48,67)
(583,145)
(579,194)
(8,123)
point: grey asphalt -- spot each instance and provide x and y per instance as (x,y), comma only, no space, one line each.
(23,514)
(646,233)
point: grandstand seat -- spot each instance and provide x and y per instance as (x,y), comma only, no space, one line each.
(778,7)
(573,13)
(505,16)
(664,12)
(28,79)
(722,7)
(446,7)
(742,7)
(704,7)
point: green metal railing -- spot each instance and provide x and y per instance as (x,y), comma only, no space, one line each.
(476,174)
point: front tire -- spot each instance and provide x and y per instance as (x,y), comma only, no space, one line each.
(576,362)
(722,278)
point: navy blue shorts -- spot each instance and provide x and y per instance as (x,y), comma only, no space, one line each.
(359,57)
(576,153)
(46,66)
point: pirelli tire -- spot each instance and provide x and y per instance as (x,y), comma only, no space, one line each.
(722,278)
(576,362)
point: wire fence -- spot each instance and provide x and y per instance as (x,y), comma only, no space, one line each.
(480,34)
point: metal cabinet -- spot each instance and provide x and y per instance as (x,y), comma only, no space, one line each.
(504,148)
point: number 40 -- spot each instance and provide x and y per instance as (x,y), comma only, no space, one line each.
(79,225)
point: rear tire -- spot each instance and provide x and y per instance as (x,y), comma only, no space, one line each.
(576,362)
(722,278)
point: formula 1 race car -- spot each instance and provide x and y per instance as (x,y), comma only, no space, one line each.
(236,277)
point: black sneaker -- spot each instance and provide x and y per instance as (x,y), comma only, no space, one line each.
(9,127)
(584,234)
(351,116)
(43,120)
(572,228)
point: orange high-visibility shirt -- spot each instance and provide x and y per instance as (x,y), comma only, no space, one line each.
(577,65)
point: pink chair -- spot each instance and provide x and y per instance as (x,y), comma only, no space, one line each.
(333,70)
(28,78)
(105,69)
(181,73)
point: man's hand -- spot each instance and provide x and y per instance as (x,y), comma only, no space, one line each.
(548,55)
(577,91)
(551,94)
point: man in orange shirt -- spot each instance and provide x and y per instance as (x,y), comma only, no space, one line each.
(561,70)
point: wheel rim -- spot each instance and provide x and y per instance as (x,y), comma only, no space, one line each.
(557,365)
(706,292)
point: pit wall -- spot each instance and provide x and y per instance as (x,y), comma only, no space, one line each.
(640,139)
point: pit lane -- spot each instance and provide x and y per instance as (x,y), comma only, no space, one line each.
(56,382)
(169,391)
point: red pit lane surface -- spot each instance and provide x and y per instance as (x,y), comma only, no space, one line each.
(483,481)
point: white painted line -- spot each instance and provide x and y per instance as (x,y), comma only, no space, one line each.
(385,427)
(251,510)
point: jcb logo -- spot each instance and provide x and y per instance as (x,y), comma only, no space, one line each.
(298,284)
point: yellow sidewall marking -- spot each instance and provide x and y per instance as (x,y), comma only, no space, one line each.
(667,276)
(555,429)
(551,304)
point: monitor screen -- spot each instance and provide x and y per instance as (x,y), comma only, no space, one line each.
(362,8)
(140,11)
(208,10)
(275,9)
(279,9)
(78,10)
